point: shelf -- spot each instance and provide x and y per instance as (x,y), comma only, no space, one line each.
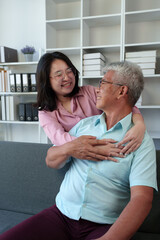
(64,24)
(58,9)
(17,93)
(149,107)
(19,122)
(18,63)
(101,7)
(141,16)
(67,51)
(142,5)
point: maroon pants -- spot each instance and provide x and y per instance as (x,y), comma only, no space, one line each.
(51,224)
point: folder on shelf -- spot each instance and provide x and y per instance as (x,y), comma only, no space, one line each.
(12,82)
(28,111)
(25,82)
(35,113)
(8,54)
(22,111)
(18,82)
(33,82)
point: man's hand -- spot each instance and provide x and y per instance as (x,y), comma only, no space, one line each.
(90,148)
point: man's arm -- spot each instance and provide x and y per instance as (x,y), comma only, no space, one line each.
(133,214)
(84,147)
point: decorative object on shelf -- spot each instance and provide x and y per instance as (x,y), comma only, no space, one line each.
(28,52)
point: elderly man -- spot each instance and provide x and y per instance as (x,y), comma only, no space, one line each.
(117,196)
(103,200)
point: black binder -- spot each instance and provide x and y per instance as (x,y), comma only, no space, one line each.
(35,113)
(29,116)
(22,112)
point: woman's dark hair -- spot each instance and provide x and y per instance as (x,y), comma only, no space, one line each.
(46,97)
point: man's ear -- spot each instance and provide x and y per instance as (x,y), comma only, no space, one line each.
(123,90)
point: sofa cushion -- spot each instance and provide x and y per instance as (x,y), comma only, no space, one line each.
(26,184)
(9,219)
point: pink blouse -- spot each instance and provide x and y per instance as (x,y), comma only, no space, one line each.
(56,124)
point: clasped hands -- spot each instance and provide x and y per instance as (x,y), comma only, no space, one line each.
(90,148)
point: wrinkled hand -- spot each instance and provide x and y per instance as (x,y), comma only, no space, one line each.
(90,148)
(133,138)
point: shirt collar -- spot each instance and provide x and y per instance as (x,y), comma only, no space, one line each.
(123,123)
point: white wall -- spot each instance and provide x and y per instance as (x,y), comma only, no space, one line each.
(22,22)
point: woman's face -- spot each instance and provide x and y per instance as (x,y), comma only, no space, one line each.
(62,78)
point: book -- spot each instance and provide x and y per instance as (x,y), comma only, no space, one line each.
(149,53)
(93,61)
(92,67)
(18,82)
(8,54)
(14,101)
(3,108)
(141,59)
(94,56)
(93,73)
(148,71)
(147,65)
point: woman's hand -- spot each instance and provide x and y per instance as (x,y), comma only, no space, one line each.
(133,138)
(90,148)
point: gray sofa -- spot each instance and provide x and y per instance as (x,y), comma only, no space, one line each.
(28,186)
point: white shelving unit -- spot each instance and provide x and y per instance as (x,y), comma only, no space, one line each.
(113,28)
(21,131)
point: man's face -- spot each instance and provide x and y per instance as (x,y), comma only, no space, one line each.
(107,92)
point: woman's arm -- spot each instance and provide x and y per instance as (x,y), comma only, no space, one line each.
(53,129)
(135,135)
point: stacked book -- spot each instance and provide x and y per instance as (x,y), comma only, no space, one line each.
(93,64)
(145,59)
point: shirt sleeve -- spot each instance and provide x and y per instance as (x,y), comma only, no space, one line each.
(135,110)
(143,169)
(53,129)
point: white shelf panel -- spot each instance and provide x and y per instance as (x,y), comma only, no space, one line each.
(64,24)
(20,122)
(149,106)
(104,48)
(67,51)
(17,93)
(103,21)
(18,63)
(141,16)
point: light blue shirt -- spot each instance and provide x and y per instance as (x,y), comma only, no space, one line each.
(99,191)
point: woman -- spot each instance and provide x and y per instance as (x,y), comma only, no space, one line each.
(62,103)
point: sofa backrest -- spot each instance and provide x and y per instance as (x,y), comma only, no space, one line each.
(26,183)
(152,222)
